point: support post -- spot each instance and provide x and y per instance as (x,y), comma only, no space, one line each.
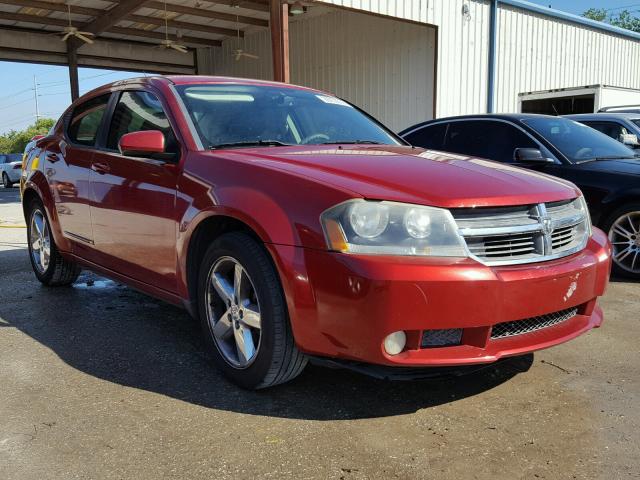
(279,23)
(493,36)
(72,57)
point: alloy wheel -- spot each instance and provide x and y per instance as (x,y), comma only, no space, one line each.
(40,241)
(625,238)
(233,312)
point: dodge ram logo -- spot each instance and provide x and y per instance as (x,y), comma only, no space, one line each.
(547,225)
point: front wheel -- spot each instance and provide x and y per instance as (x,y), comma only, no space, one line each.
(623,228)
(6,183)
(244,314)
(48,265)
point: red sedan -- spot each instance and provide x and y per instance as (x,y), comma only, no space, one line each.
(295,226)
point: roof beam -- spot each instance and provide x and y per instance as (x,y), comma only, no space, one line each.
(249,5)
(201,12)
(182,25)
(54,7)
(134,32)
(111,17)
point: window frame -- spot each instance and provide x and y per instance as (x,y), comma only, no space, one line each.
(555,156)
(116,95)
(69,116)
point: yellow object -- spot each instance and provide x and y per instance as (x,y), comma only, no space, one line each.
(35,163)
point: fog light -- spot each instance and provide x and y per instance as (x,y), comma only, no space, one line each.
(394,343)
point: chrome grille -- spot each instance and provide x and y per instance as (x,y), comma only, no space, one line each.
(522,234)
(528,325)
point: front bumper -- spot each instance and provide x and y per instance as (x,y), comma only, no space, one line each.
(343,306)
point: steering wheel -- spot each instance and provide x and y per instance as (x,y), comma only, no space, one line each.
(584,152)
(319,136)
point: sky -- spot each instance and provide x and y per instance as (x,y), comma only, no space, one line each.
(17,94)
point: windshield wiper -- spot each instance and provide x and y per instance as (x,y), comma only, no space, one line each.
(352,142)
(257,143)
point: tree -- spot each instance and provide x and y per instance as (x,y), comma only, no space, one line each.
(624,19)
(16,140)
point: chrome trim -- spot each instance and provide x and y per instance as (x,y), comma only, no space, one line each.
(541,245)
(187,117)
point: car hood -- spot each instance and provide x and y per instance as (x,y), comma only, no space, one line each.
(412,175)
(629,166)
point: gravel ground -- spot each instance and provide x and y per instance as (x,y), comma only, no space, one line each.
(99,381)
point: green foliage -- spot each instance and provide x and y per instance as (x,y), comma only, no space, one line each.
(16,140)
(624,19)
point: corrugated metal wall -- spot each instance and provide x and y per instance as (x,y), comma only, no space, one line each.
(384,66)
(537,52)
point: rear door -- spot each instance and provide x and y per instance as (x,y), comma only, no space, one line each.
(67,163)
(133,199)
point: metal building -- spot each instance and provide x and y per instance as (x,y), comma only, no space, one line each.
(402,60)
(418,59)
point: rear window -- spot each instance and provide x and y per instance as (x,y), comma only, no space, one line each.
(86,120)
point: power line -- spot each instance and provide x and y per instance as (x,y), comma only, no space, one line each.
(621,8)
(17,103)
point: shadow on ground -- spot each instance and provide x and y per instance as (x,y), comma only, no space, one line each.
(116,334)
(9,195)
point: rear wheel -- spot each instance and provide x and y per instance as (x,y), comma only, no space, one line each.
(48,265)
(623,228)
(5,180)
(244,314)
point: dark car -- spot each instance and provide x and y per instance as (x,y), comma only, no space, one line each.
(606,171)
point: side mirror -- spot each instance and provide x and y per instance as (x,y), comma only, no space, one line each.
(530,155)
(629,139)
(145,143)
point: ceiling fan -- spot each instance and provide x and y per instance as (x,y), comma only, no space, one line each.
(238,53)
(71,31)
(167,43)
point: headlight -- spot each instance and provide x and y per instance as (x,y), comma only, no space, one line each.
(389,228)
(581,204)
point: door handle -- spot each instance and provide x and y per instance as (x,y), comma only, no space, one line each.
(100,168)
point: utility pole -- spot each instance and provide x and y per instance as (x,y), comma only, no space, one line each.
(35,97)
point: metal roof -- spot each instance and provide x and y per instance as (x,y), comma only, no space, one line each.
(194,24)
(570,17)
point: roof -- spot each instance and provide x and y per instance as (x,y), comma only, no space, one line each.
(497,116)
(570,17)
(604,116)
(205,24)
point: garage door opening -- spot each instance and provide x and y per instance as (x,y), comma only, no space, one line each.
(560,105)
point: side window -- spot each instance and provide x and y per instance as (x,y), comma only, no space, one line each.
(486,139)
(612,129)
(430,136)
(136,111)
(86,119)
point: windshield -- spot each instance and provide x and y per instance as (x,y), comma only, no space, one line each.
(237,115)
(576,141)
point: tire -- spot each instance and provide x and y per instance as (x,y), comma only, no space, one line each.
(623,230)
(55,271)
(275,358)
(5,180)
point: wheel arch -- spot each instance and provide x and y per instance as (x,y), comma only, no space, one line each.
(203,234)
(616,201)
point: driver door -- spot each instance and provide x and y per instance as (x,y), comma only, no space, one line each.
(133,199)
